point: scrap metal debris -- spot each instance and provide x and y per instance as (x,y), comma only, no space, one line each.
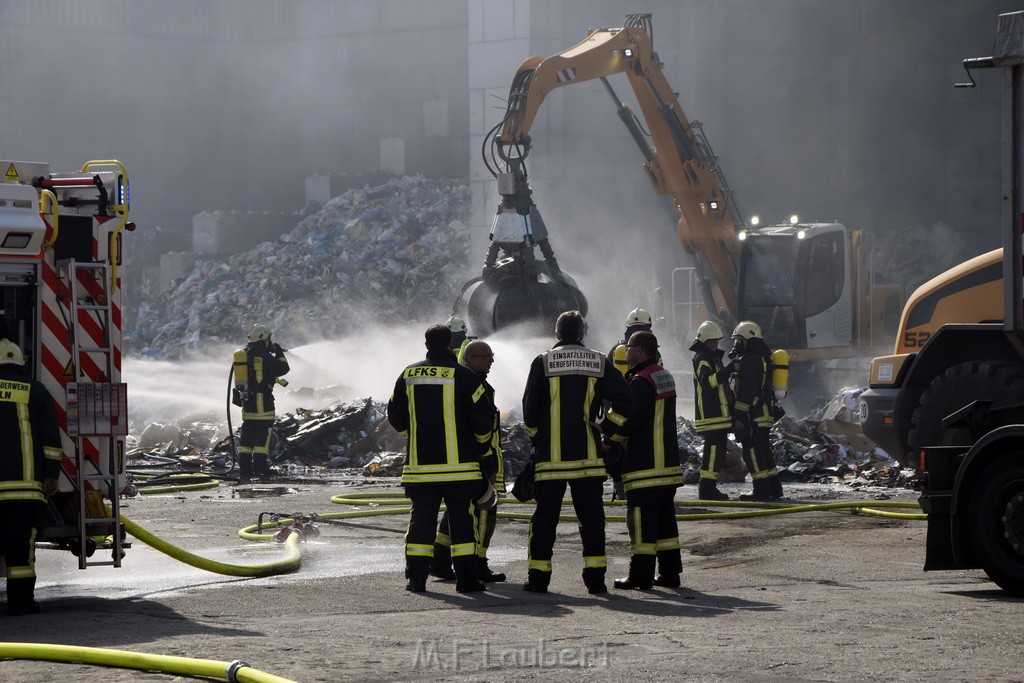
(398,250)
(355,439)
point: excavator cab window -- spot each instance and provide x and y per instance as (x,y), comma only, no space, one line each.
(768,293)
(824,272)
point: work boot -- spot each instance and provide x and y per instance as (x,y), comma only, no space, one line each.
(487,575)
(244,469)
(21,609)
(628,584)
(593,579)
(762,491)
(537,581)
(416,574)
(707,489)
(667,580)
(776,486)
(470,585)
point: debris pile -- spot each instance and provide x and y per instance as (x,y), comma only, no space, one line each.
(398,250)
(355,438)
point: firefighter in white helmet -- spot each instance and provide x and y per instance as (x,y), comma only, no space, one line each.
(752,415)
(257,368)
(638,320)
(29,467)
(460,336)
(713,406)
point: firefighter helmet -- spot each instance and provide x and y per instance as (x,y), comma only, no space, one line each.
(709,331)
(638,316)
(456,324)
(10,353)
(748,329)
(259,332)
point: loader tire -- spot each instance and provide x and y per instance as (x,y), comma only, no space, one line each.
(1000,381)
(997,522)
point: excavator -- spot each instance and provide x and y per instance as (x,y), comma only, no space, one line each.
(809,285)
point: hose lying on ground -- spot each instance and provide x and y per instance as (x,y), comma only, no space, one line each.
(233,672)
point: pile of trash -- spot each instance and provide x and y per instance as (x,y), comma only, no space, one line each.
(398,251)
(355,439)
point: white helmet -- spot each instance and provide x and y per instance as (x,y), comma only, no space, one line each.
(456,324)
(259,332)
(638,316)
(10,353)
(748,329)
(708,330)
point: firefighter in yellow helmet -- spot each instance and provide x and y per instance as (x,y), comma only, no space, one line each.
(713,406)
(257,368)
(29,467)
(638,320)
(752,416)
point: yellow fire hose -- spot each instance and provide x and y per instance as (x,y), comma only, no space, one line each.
(233,672)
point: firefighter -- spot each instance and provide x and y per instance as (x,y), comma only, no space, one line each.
(752,416)
(713,400)
(258,367)
(478,358)
(638,320)
(441,407)
(460,336)
(565,390)
(651,472)
(29,466)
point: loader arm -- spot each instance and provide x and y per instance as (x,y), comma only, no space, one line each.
(680,163)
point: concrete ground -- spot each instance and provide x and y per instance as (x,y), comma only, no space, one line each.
(819,596)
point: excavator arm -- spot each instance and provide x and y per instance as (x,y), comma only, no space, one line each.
(679,163)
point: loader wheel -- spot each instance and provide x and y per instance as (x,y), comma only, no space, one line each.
(1000,381)
(997,522)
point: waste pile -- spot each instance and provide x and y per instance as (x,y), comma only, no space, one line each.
(355,439)
(398,251)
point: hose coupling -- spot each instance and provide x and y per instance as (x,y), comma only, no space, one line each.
(232,671)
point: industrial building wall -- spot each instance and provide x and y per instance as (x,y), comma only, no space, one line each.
(232,104)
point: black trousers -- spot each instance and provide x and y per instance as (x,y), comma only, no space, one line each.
(419,539)
(714,453)
(254,447)
(587,500)
(653,533)
(758,457)
(485,521)
(18,546)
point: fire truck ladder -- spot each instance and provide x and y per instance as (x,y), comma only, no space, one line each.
(82,399)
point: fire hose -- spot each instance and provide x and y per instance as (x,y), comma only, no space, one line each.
(235,671)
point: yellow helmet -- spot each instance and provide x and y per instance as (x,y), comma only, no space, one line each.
(259,332)
(748,329)
(10,353)
(708,331)
(638,316)
(455,324)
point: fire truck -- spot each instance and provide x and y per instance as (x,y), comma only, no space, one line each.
(60,287)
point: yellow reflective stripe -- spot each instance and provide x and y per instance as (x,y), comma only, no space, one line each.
(20,485)
(618,438)
(21,572)
(463,549)
(659,433)
(51,453)
(410,398)
(539,565)
(650,483)
(439,478)
(480,391)
(419,550)
(587,401)
(451,444)
(257,369)
(668,543)
(22,495)
(615,418)
(653,472)
(555,419)
(443,539)
(643,549)
(28,462)
(595,561)
(531,431)
(482,438)
(742,406)
(261,414)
